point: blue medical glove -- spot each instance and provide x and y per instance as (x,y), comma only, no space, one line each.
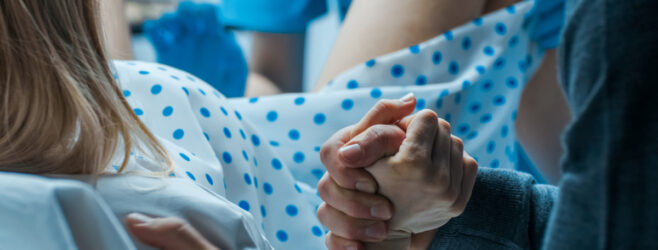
(193,39)
(545,22)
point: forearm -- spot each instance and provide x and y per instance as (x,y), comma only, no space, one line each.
(507,209)
(116,30)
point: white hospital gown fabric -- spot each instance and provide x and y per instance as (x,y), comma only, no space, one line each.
(263,153)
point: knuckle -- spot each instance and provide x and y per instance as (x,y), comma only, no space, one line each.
(324,187)
(354,231)
(428,115)
(445,124)
(384,105)
(322,213)
(326,153)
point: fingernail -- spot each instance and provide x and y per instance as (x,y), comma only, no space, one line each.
(380,211)
(365,186)
(141,218)
(376,231)
(352,152)
(407,98)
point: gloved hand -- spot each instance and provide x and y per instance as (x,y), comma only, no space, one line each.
(193,39)
(545,22)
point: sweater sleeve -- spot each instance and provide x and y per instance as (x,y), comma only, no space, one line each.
(507,210)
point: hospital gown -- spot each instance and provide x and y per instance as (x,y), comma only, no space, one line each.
(263,153)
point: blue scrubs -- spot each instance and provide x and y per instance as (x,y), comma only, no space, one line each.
(276,16)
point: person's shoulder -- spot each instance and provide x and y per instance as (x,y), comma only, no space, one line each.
(154,79)
(127,72)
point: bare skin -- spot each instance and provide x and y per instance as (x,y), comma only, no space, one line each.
(117,33)
(542,116)
(279,58)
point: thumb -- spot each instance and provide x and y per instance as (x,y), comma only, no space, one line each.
(373,144)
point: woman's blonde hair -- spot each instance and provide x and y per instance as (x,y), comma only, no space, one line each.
(60,109)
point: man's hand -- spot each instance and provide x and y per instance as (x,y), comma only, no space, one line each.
(354,216)
(429,180)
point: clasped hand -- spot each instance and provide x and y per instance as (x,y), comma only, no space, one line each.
(392,177)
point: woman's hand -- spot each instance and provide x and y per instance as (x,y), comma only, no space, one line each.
(166,233)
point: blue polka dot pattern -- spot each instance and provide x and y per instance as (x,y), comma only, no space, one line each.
(276,164)
(299,101)
(319,118)
(421,80)
(126,93)
(227,133)
(376,93)
(210,180)
(204,112)
(448,35)
(247,179)
(178,134)
(167,111)
(316,231)
(453,68)
(415,49)
(466,43)
(156,89)
(190,175)
(138,111)
(420,104)
(185,157)
(245,156)
(272,115)
(347,104)
(501,29)
(298,157)
(481,69)
(255,140)
(485,118)
(293,134)
(244,205)
(227,158)
(397,71)
(437,57)
(263,212)
(267,188)
(370,63)
(352,84)
(488,50)
(499,100)
(511,82)
(491,146)
(291,210)
(477,21)
(282,236)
